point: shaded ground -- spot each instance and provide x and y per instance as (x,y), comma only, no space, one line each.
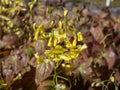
(114,3)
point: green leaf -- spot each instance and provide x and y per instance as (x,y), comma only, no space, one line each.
(116,88)
(30,51)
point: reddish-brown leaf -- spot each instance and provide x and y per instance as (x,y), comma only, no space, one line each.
(97,33)
(110,57)
(43,71)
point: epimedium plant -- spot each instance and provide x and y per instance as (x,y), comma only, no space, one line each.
(64,46)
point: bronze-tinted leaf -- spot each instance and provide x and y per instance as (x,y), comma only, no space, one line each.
(45,85)
(85,12)
(40,46)
(85,70)
(110,57)
(97,33)
(44,71)
(10,40)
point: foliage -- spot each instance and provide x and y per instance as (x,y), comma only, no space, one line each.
(56,49)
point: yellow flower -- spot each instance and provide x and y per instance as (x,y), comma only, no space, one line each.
(60,24)
(34,27)
(65,13)
(59,49)
(56,59)
(70,22)
(63,64)
(38,58)
(68,44)
(49,53)
(55,42)
(80,36)
(73,55)
(10,24)
(31,4)
(74,42)
(48,11)
(68,66)
(50,42)
(112,79)
(19,76)
(36,35)
(52,23)
(41,28)
(83,47)
(65,57)
(60,37)
(1,9)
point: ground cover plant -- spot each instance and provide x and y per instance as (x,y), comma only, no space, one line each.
(44,46)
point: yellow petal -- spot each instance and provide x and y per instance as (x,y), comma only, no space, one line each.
(65,57)
(10,24)
(74,42)
(1,9)
(70,22)
(65,13)
(36,35)
(60,24)
(63,64)
(62,35)
(34,27)
(55,42)
(68,66)
(52,23)
(68,44)
(49,53)
(48,11)
(41,28)
(83,47)
(31,4)
(80,36)
(56,59)
(59,49)
(38,58)
(19,76)
(112,79)
(73,55)
(50,42)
